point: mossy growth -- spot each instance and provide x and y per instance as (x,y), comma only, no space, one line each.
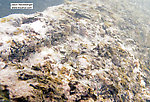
(6,19)
(20,50)
(49,88)
(4,94)
(18,31)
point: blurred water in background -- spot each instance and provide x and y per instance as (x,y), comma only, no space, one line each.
(39,5)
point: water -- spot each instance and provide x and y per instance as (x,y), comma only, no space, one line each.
(39,5)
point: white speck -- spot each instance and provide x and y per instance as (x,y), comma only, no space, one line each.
(83,21)
(142,83)
(38,27)
(2,65)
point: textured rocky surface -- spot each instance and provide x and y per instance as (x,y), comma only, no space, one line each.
(73,52)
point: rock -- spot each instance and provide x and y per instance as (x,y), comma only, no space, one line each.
(77,51)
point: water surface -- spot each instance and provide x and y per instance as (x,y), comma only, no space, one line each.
(39,5)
